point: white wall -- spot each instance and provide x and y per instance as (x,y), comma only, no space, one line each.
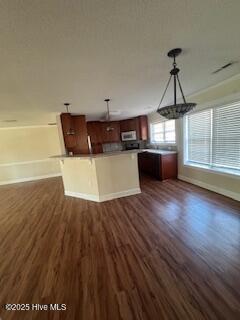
(229,185)
(25,152)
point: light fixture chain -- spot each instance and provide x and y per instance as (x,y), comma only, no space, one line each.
(181,89)
(108,114)
(165,91)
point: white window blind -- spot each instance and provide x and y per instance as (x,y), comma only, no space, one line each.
(226,136)
(163,132)
(213,138)
(170,131)
(199,137)
(157,132)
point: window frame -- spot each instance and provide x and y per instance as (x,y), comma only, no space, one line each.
(206,167)
(164,133)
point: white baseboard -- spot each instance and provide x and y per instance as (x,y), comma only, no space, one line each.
(30,179)
(105,197)
(84,196)
(225,192)
(120,194)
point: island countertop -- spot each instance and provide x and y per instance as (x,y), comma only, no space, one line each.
(109,154)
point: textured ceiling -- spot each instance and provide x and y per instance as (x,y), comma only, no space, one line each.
(82,51)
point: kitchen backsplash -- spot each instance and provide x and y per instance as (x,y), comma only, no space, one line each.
(162,147)
(109,147)
(118,146)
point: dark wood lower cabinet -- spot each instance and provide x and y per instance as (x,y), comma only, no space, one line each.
(160,166)
(148,163)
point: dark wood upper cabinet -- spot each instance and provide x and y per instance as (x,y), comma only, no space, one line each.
(94,129)
(130,125)
(68,131)
(143,127)
(110,131)
(76,130)
(80,129)
(74,133)
(138,124)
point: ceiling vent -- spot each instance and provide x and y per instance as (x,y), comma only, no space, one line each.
(227,65)
(9,120)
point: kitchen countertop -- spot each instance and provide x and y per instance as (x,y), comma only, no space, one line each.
(114,153)
(157,151)
(98,155)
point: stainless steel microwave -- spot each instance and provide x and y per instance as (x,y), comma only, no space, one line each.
(129,136)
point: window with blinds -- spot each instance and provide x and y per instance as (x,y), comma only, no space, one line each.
(213,138)
(163,132)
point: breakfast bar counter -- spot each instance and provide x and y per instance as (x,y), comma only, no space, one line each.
(100,177)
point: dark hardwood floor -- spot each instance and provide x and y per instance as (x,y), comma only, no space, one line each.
(172,252)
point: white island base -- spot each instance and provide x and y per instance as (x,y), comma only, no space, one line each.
(101,177)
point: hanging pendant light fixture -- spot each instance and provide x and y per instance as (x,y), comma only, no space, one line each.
(109,128)
(67,104)
(71,131)
(108,113)
(176,110)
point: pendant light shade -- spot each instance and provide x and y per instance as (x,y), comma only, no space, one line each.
(176,110)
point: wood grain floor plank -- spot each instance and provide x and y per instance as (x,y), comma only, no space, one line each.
(171,252)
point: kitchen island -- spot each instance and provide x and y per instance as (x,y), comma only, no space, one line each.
(100,177)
